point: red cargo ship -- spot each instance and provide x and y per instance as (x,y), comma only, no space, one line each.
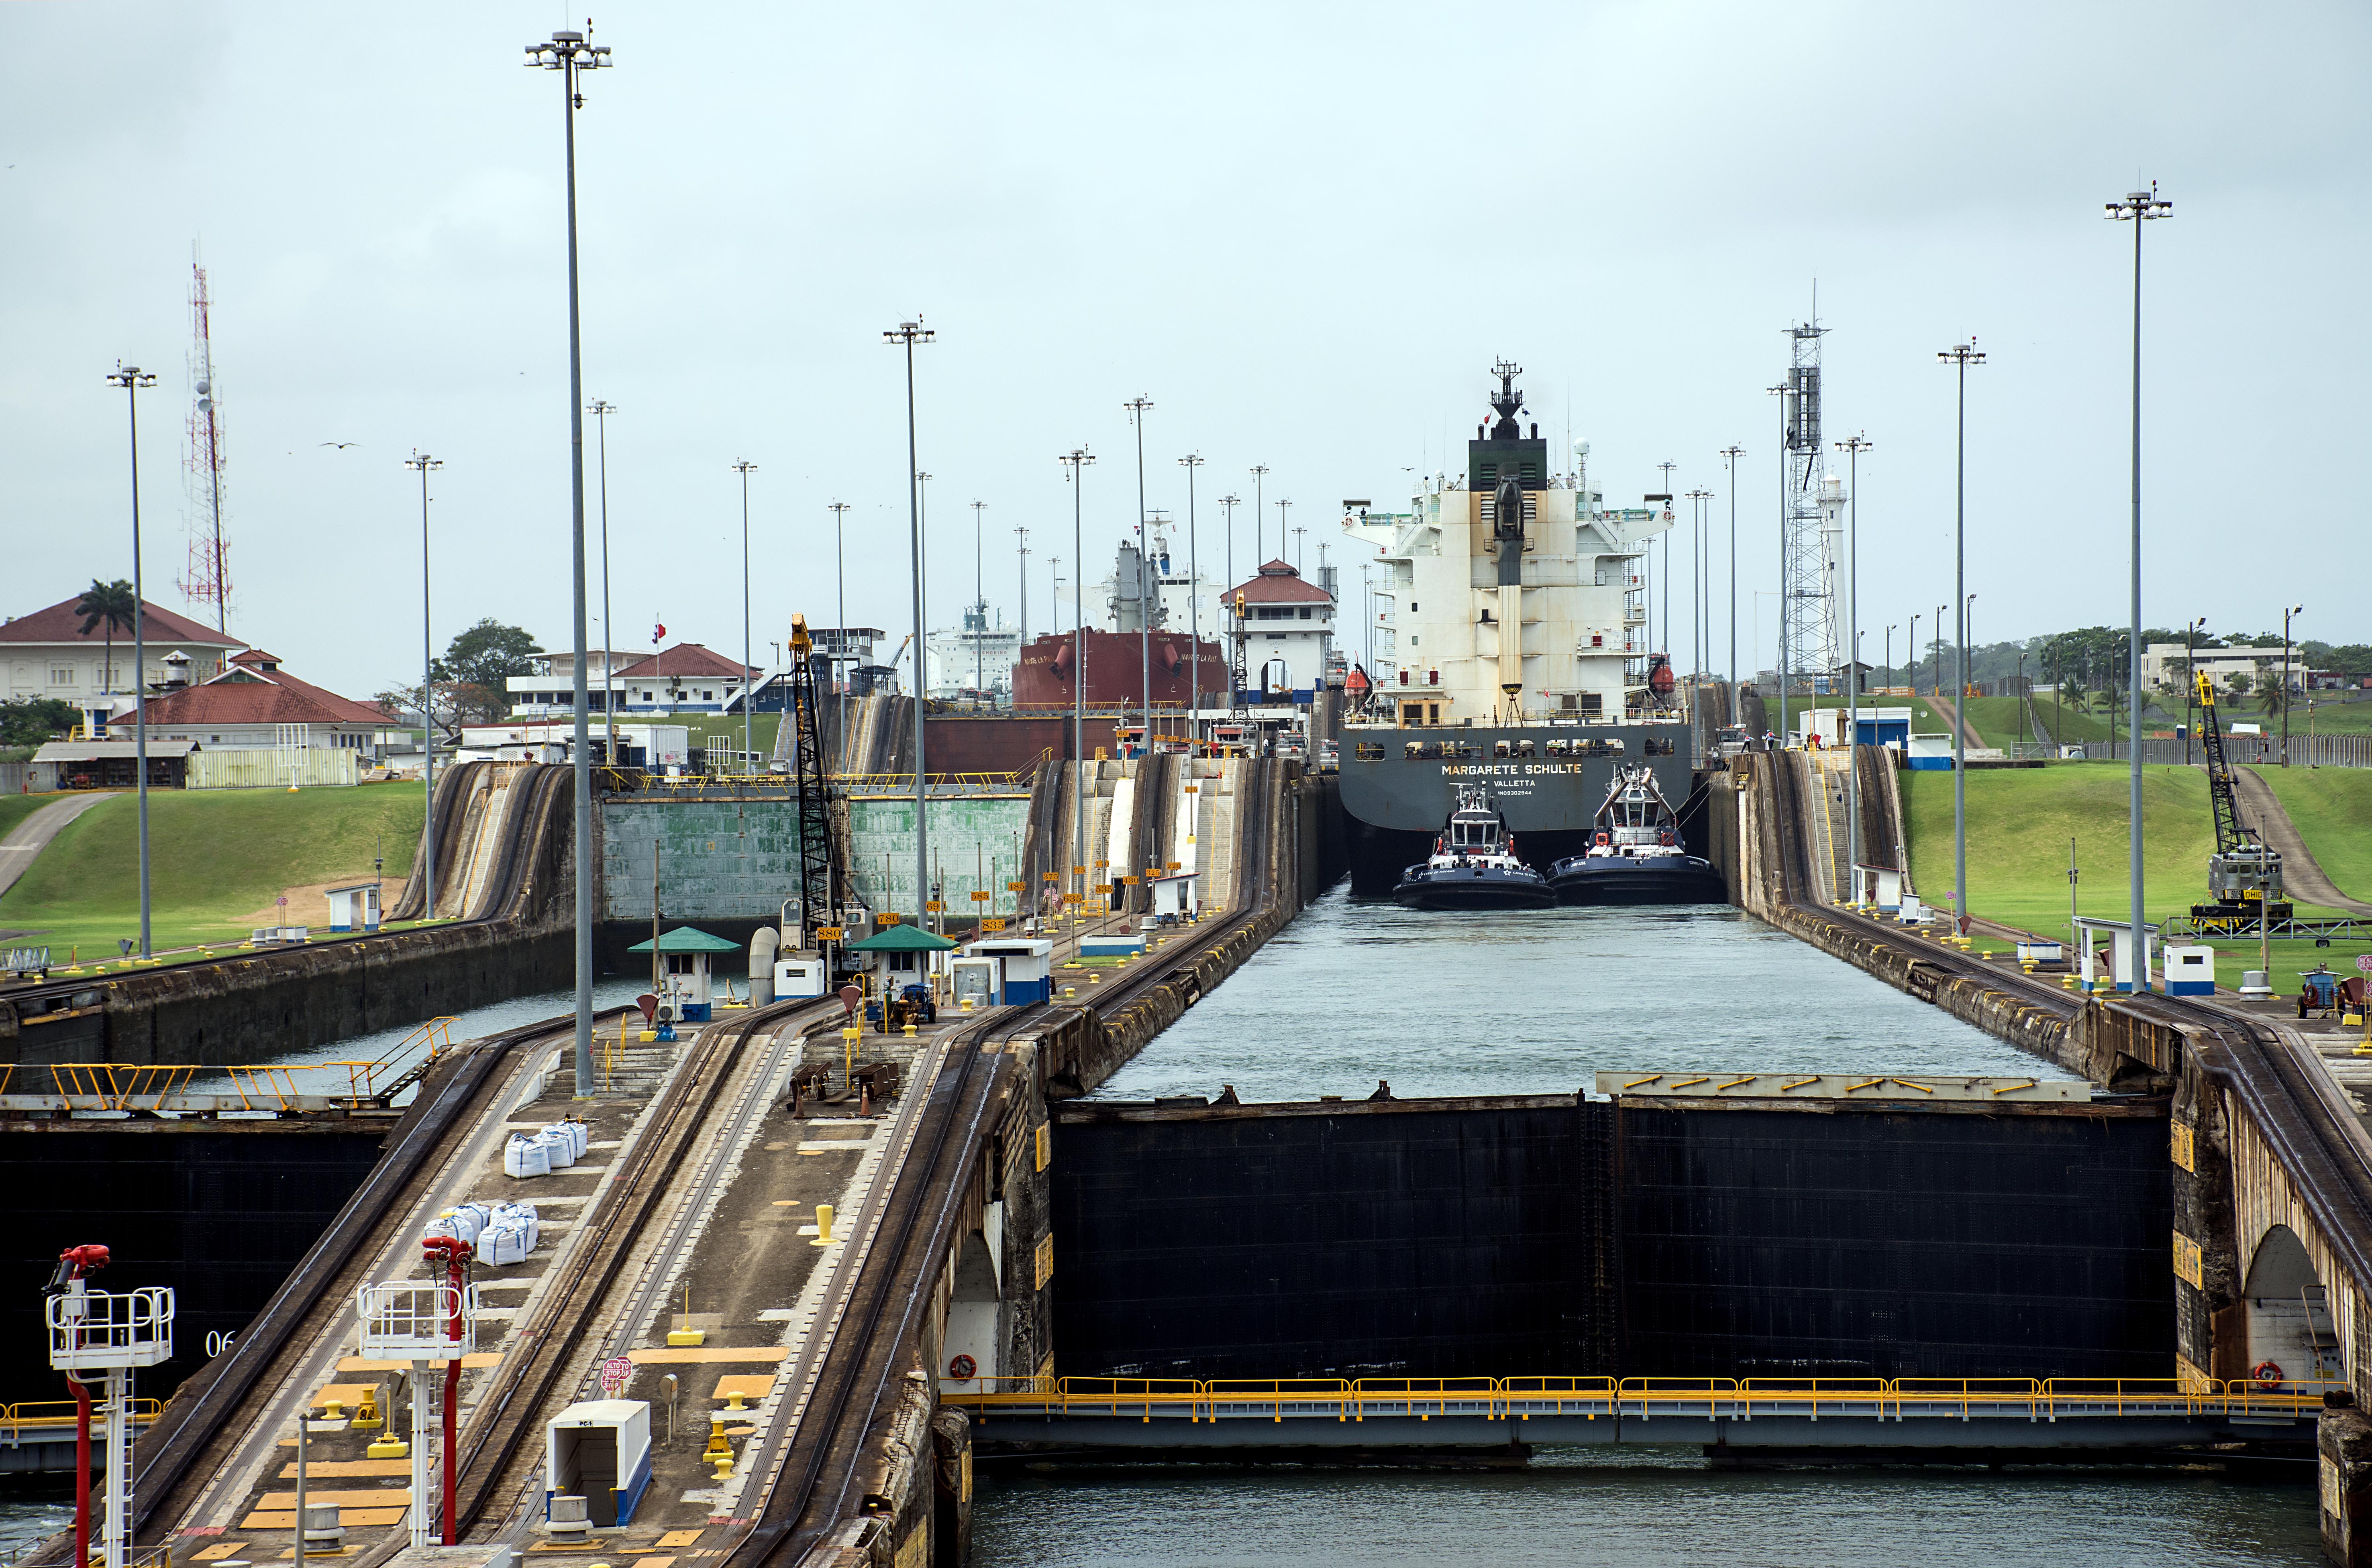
(1047,675)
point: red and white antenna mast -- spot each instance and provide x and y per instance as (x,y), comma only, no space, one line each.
(207,581)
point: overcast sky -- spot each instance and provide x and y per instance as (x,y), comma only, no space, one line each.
(1304,231)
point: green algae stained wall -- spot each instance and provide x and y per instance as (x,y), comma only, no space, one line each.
(723,859)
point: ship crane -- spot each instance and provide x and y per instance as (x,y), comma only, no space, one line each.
(2244,875)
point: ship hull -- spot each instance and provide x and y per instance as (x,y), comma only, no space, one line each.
(1620,879)
(1471,889)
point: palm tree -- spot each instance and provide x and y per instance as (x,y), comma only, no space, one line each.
(112,603)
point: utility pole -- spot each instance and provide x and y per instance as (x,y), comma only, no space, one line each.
(979,603)
(1138,406)
(1667,466)
(425,463)
(838,658)
(2138,208)
(132,378)
(749,699)
(1078,458)
(602,412)
(1021,635)
(1853,447)
(1738,690)
(570,55)
(1260,474)
(1780,662)
(905,335)
(1190,462)
(1960,356)
(1700,569)
(2293,609)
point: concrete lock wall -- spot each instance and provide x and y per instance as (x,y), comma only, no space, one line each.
(1548,1237)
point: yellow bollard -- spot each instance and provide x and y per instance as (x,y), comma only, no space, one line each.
(366,1416)
(909,1032)
(718,1450)
(823,1230)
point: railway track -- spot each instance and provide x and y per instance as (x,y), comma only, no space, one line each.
(813,1476)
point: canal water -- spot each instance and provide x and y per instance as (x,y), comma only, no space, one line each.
(1356,989)
(1537,1002)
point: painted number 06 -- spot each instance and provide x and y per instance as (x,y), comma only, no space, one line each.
(217,1341)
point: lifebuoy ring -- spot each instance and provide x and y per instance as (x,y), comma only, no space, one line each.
(2268,1374)
(963,1369)
(1602,839)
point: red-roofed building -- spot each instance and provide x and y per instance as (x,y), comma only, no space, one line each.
(255,704)
(47,654)
(685,679)
(1288,625)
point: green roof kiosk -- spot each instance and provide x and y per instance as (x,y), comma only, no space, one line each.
(687,952)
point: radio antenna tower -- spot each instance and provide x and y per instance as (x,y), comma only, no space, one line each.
(207,581)
(1806,611)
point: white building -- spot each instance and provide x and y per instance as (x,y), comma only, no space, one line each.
(2163,662)
(1288,630)
(654,746)
(256,706)
(685,679)
(47,654)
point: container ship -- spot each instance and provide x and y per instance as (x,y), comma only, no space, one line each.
(1511,655)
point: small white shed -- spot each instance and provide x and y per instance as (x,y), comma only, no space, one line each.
(1178,897)
(599,1450)
(355,908)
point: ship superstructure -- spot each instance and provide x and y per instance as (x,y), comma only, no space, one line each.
(1513,653)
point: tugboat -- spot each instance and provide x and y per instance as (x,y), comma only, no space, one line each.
(1473,864)
(1635,855)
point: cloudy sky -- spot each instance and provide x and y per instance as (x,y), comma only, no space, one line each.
(1304,231)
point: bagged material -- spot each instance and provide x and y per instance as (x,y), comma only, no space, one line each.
(521,1215)
(466,1222)
(510,1234)
(559,1148)
(579,1137)
(526,1155)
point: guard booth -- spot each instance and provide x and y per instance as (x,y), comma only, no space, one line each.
(1177,898)
(2189,969)
(1880,885)
(355,908)
(798,975)
(1005,971)
(902,955)
(688,953)
(599,1450)
(2120,956)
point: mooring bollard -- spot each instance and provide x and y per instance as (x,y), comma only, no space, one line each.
(823,1225)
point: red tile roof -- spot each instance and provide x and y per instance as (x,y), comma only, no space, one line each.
(1279,583)
(245,695)
(59,623)
(685,659)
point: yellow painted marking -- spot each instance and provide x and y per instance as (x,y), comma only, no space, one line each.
(347,1394)
(653,1563)
(678,1537)
(362,1498)
(668,1354)
(786,1203)
(1909,1085)
(353,1469)
(215,1554)
(352,1518)
(748,1385)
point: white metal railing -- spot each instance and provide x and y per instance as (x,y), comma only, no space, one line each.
(102,1329)
(413,1320)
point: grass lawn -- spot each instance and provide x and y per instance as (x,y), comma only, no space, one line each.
(217,858)
(2332,808)
(2331,716)
(726,733)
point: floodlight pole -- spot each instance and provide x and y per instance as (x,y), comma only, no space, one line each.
(425,463)
(131,378)
(570,53)
(2293,609)
(2138,207)
(838,658)
(1078,458)
(1853,447)
(1138,408)
(1960,356)
(602,412)
(906,335)
(1738,688)
(979,602)
(1194,604)
(744,468)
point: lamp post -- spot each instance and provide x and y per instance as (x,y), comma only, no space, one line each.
(132,378)
(1960,356)
(2190,682)
(1021,635)
(2293,609)
(979,604)
(1260,474)
(425,463)
(2138,207)
(1780,658)
(1078,458)
(602,412)
(1667,466)
(839,654)
(1138,408)
(745,467)
(1731,454)
(1853,447)
(905,335)
(570,55)
(1700,560)
(1890,650)
(1936,676)
(1190,462)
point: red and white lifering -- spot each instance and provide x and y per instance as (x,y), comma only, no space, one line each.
(2268,1374)
(963,1369)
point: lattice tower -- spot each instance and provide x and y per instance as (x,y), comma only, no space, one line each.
(207,577)
(1808,628)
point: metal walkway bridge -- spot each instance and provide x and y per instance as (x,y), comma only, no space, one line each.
(1904,1413)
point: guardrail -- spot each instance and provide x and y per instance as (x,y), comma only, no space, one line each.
(125,1087)
(1637,1398)
(43,1418)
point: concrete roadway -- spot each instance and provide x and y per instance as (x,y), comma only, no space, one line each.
(32,835)
(2302,877)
